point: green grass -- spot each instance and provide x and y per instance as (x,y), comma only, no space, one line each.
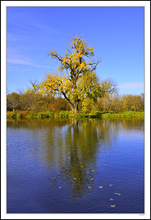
(129,114)
(69,115)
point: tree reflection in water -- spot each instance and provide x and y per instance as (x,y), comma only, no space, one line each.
(70,148)
(73,149)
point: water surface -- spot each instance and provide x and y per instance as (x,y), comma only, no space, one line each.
(85,166)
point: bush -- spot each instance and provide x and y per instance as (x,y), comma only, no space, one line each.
(56,115)
(42,115)
(19,115)
(31,115)
(11,115)
(98,114)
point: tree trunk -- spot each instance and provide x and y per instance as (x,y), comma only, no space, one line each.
(74,106)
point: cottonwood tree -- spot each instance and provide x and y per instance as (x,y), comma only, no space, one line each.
(80,80)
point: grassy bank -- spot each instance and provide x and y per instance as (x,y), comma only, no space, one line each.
(129,114)
(19,115)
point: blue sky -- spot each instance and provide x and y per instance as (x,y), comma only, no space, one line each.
(115,33)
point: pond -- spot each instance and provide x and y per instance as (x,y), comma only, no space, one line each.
(76,166)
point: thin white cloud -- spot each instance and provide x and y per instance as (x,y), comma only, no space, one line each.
(131,85)
(25,62)
(18,61)
(16,57)
(46,28)
(42,66)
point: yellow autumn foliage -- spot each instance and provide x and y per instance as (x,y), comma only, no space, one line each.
(77,81)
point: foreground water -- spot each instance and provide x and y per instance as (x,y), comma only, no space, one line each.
(90,166)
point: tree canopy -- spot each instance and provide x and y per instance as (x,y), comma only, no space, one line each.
(77,80)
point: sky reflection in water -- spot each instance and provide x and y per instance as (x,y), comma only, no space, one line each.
(87,166)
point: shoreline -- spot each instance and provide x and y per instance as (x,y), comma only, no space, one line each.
(21,115)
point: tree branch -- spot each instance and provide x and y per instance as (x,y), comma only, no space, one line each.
(71,104)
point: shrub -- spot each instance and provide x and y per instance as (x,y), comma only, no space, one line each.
(19,116)
(11,115)
(56,115)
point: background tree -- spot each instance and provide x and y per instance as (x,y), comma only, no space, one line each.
(133,102)
(35,101)
(13,101)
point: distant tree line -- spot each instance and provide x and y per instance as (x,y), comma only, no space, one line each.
(118,103)
(35,101)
